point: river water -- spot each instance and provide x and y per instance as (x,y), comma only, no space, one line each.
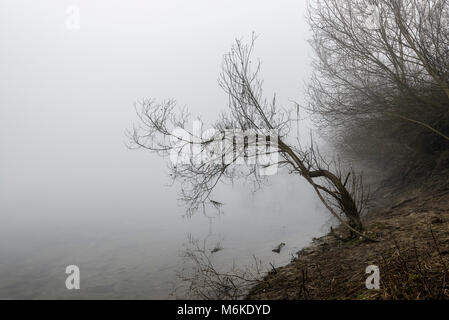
(138,256)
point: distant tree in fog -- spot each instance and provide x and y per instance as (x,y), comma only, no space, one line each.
(381,86)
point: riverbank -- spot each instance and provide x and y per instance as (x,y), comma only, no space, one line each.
(412,253)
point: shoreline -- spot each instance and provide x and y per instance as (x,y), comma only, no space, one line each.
(412,254)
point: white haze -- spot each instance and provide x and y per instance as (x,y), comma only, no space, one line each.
(71,192)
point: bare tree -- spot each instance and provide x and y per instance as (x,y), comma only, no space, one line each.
(266,127)
(382,75)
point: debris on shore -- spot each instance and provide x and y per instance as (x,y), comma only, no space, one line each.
(279,248)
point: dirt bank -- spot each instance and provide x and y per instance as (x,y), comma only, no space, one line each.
(412,253)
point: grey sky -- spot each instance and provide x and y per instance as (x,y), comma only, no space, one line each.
(67,96)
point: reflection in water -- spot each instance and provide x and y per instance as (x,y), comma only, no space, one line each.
(204,276)
(141,256)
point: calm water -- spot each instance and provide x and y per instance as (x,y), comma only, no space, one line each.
(131,256)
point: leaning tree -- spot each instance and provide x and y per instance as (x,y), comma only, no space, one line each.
(200,161)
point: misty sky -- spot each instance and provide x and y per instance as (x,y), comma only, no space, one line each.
(67,96)
(66,99)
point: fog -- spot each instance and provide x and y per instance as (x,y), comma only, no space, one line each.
(70,190)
